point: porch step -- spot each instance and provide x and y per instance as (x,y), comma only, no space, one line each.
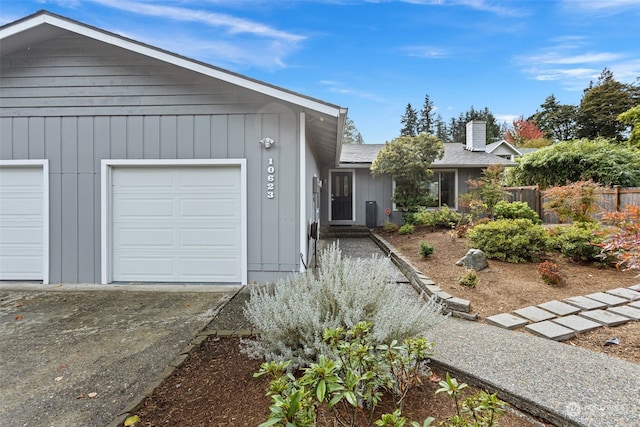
(337,231)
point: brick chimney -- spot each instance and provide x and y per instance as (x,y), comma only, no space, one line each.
(477,135)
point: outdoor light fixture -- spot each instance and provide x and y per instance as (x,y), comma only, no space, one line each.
(267,142)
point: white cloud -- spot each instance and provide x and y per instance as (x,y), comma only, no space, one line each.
(613,6)
(569,61)
(428,52)
(232,24)
(336,87)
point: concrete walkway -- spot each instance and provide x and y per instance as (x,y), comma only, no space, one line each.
(562,320)
(566,385)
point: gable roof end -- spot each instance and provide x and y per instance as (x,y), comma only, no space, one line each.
(42,25)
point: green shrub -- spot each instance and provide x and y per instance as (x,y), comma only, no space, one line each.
(426,249)
(515,210)
(512,240)
(580,242)
(290,316)
(407,229)
(390,227)
(444,217)
(469,278)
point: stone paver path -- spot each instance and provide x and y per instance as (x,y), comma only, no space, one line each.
(561,320)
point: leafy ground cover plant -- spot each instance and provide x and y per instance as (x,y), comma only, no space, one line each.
(469,278)
(514,210)
(350,380)
(580,242)
(426,249)
(512,240)
(290,315)
(444,217)
(479,410)
(390,227)
(407,229)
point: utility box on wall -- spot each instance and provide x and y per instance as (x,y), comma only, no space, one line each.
(371,214)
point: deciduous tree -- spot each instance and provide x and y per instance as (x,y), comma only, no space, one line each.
(599,160)
(523,131)
(408,159)
(631,118)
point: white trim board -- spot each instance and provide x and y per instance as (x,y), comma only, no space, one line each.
(44,163)
(106,262)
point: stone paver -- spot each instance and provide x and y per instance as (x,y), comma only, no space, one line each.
(534,314)
(625,310)
(606,318)
(551,330)
(635,287)
(625,293)
(507,321)
(559,308)
(577,323)
(585,303)
(608,299)
(634,304)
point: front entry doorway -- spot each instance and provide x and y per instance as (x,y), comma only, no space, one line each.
(341,196)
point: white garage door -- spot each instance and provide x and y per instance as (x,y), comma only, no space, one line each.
(176,224)
(22,223)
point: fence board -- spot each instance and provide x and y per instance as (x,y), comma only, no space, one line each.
(610,200)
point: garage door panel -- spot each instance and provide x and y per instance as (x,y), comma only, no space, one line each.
(187,228)
(22,222)
(143,207)
(132,237)
(209,238)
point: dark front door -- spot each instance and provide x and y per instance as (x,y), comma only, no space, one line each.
(341,196)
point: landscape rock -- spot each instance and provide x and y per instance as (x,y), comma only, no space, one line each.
(475,259)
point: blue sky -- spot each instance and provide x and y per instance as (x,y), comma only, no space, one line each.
(374,57)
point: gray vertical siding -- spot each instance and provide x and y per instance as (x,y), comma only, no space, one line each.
(369,188)
(109,103)
(75,146)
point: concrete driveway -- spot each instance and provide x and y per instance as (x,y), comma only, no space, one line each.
(78,355)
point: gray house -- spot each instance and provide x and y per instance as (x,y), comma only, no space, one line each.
(352,188)
(122,162)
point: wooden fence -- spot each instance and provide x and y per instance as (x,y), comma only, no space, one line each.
(610,200)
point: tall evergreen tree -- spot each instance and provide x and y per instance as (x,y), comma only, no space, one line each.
(441,129)
(425,122)
(601,105)
(409,122)
(557,121)
(351,135)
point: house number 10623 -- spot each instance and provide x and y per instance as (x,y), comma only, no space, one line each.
(271,178)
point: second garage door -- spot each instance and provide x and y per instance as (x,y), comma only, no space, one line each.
(176,224)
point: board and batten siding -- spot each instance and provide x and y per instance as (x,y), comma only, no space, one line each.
(368,188)
(75,101)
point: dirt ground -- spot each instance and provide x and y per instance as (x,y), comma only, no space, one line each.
(504,287)
(215,387)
